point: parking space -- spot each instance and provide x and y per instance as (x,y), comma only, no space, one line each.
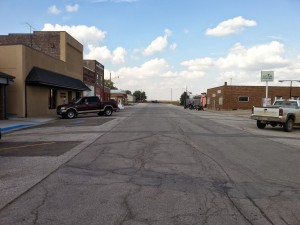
(82,120)
(30,153)
(50,139)
(22,149)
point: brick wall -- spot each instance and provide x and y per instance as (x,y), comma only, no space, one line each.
(93,74)
(227,97)
(89,76)
(45,41)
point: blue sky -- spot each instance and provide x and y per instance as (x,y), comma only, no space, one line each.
(163,47)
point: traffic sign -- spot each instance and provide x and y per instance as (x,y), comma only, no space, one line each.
(267,76)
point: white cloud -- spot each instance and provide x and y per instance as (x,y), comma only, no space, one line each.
(91,37)
(118,55)
(292,71)
(84,34)
(242,65)
(157,78)
(239,57)
(192,75)
(53,10)
(72,8)
(99,53)
(152,68)
(233,77)
(199,64)
(103,54)
(231,26)
(173,46)
(169,74)
(255,58)
(159,44)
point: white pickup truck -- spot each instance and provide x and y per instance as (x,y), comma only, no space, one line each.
(284,113)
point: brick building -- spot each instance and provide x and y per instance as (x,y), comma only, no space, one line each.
(232,97)
(93,77)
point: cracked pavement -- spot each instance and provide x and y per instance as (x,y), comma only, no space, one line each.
(163,165)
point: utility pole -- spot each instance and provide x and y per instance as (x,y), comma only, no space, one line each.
(185,96)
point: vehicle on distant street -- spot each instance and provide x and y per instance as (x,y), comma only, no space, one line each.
(88,104)
(284,113)
(194,103)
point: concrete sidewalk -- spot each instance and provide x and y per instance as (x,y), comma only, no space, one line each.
(19,123)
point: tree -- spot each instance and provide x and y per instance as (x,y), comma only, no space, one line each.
(110,84)
(128,92)
(140,96)
(183,98)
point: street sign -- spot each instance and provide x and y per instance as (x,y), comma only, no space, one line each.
(267,76)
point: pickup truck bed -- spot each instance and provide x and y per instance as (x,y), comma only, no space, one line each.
(281,113)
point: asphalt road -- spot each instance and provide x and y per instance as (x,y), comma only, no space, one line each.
(151,164)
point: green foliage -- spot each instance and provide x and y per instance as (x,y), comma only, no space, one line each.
(110,84)
(183,98)
(140,96)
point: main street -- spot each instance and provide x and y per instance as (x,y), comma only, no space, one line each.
(151,164)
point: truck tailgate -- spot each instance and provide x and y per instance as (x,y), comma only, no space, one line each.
(266,111)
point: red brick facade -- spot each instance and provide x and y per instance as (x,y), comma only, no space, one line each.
(231,97)
(93,74)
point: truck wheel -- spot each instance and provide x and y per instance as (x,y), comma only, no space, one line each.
(260,125)
(288,126)
(108,112)
(71,114)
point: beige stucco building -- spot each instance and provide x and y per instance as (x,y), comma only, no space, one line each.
(46,74)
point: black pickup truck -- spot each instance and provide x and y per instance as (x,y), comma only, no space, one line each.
(88,104)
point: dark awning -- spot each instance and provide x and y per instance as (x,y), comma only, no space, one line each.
(6,79)
(42,77)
